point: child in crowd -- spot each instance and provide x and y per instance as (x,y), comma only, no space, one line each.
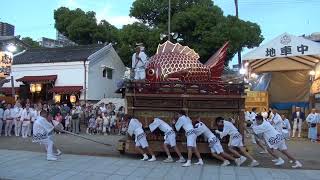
(92,125)
(99,124)
(112,125)
(286,127)
(68,122)
(58,118)
(106,122)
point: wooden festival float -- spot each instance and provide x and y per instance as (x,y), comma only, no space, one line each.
(176,80)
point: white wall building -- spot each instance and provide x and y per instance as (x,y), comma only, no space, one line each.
(92,70)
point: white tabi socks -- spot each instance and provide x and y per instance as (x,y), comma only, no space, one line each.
(145,157)
(153,158)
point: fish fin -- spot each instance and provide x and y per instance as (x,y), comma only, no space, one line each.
(169,47)
(216,61)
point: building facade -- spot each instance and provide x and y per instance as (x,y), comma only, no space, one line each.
(6,29)
(60,41)
(89,72)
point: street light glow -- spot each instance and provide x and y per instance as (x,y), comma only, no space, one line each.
(11,48)
(242,71)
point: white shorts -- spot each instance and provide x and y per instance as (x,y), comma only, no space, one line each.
(215,146)
(236,141)
(170,139)
(192,140)
(277,143)
(280,145)
(141,141)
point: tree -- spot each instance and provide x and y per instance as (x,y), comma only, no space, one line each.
(201,25)
(82,28)
(155,12)
(137,33)
(30,42)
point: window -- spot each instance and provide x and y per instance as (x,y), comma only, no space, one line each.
(104,73)
(107,73)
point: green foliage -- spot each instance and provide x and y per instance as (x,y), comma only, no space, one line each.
(155,12)
(137,33)
(200,24)
(30,42)
(82,28)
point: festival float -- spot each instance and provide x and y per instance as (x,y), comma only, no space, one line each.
(176,80)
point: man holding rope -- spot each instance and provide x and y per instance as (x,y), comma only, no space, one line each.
(43,134)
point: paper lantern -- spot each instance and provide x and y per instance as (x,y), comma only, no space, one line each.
(32,88)
(73,98)
(38,87)
(57,98)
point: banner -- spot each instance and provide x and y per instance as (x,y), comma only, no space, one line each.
(5,63)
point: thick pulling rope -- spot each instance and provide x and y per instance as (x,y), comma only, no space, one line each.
(58,126)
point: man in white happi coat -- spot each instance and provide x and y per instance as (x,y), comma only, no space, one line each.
(215,145)
(34,114)
(274,140)
(8,117)
(298,118)
(286,127)
(139,62)
(235,141)
(312,120)
(43,134)
(135,128)
(169,138)
(251,118)
(185,122)
(26,116)
(17,111)
(277,121)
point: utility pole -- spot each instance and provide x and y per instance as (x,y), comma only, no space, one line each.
(237,15)
(169,20)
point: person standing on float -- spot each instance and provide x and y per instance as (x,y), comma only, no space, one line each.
(139,60)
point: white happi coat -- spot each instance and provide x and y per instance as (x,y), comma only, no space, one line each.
(247,116)
(272,137)
(312,118)
(286,124)
(184,122)
(312,132)
(135,127)
(277,122)
(138,65)
(229,129)
(42,130)
(201,128)
(159,123)
(26,117)
(169,134)
(7,115)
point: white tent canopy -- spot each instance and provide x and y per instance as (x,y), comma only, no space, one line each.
(283,53)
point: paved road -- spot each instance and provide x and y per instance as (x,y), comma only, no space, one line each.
(26,165)
(305,151)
